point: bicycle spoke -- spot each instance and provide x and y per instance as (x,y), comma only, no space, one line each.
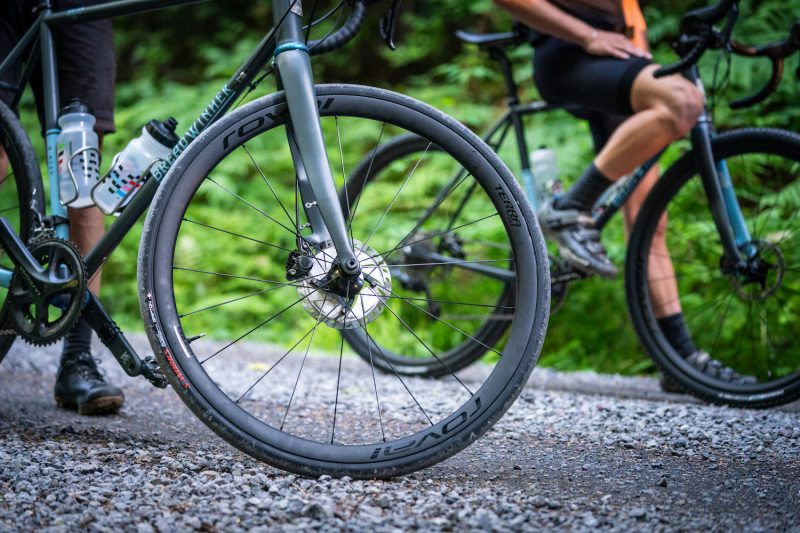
(385,255)
(352,214)
(291,220)
(290,230)
(363,326)
(302,364)
(400,190)
(235,300)
(272,367)
(344,177)
(374,381)
(410,330)
(722,323)
(338,381)
(444,322)
(430,211)
(273,317)
(236,234)
(450,302)
(234,276)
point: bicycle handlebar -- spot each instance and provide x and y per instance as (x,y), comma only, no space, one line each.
(699,23)
(343,35)
(691,57)
(699,34)
(776,53)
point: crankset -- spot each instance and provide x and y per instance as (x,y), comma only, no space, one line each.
(45,300)
(561,274)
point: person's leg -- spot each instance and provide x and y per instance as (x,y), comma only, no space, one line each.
(664,109)
(660,111)
(661,273)
(86,71)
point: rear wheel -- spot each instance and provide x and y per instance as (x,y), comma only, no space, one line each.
(21,200)
(222,254)
(746,316)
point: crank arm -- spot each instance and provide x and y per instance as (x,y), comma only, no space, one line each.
(110,334)
(20,255)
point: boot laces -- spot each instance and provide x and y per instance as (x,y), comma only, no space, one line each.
(86,365)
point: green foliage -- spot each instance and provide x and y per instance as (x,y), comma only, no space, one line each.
(173,62)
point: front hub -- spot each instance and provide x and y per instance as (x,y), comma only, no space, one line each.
(761,275)
(341,300)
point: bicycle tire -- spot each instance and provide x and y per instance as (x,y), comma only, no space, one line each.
(21,199)
(493,326)
(764,165)
(387,436)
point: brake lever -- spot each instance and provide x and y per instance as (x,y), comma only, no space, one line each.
(388,24)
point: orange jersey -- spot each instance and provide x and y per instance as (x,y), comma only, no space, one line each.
(623,16)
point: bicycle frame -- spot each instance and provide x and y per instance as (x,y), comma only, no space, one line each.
(285,42)
(716,179)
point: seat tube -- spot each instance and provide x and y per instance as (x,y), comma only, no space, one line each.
(294,66)
(50,103)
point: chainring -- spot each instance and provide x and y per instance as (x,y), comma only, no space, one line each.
(42,312)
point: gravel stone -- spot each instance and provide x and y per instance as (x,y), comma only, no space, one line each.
(576,452)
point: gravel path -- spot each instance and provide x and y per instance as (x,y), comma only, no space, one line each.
(576,452)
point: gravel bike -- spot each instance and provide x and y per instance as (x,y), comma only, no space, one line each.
(732,202)
(252,189)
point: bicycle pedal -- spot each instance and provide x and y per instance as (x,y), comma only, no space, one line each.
(152,372)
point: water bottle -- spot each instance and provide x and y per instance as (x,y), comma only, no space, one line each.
(545,174)
(78,155)
(131,167)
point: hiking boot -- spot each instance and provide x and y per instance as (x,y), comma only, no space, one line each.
(577,239)
(80,386)
(709,366)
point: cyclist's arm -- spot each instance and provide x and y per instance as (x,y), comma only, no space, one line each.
(547,18)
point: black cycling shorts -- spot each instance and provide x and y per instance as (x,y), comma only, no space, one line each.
(84,53)
(566,74)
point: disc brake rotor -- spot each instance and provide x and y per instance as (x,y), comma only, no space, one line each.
(348,311)
(43,312)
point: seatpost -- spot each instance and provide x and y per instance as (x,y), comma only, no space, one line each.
(508,74)
(310,158)
(512,95)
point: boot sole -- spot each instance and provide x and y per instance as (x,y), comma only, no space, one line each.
(107,405)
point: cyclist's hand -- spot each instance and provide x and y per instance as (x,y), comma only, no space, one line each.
(607,43)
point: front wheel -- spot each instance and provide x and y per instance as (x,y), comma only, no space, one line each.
(228,256)
(745,316)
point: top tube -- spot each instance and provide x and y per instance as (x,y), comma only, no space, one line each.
(112,9)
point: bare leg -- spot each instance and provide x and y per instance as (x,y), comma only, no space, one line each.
(666,109)
(663,286)
(86,226)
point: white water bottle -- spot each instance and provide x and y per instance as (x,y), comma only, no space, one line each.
(131,167)
(545,173)
(78,155)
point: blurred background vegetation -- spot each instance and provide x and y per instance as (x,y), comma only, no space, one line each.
(172,63)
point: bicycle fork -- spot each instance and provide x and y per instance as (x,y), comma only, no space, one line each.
(718,187)
(315,179)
